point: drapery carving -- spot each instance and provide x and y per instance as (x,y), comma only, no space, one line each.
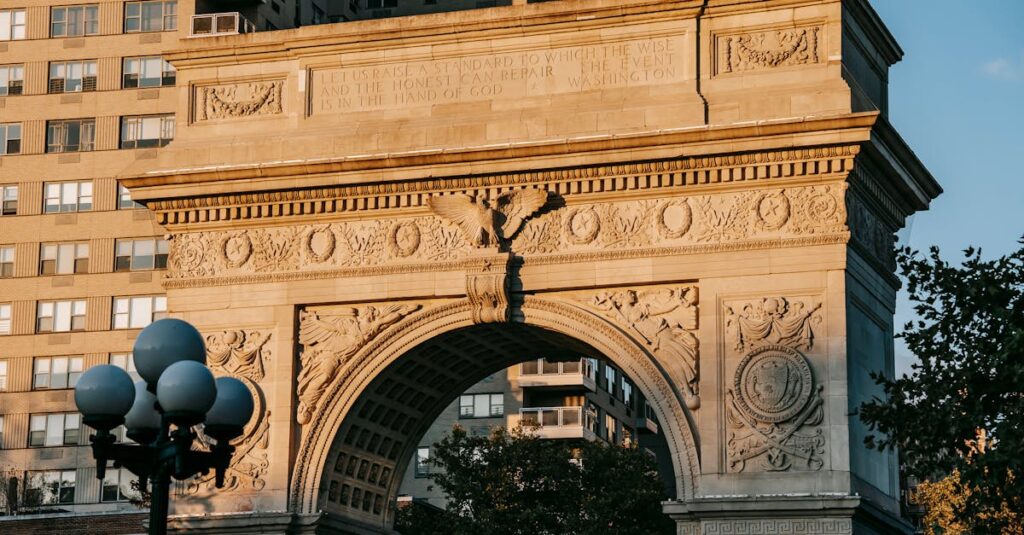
(768,49)
(329,338)
(665,320)
(773,405)
(237,100)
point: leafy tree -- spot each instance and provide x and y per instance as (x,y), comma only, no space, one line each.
(514,483)
(969,339)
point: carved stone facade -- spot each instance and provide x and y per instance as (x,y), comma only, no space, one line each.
(238,100)
(768,49)
(774,403)
(752,218)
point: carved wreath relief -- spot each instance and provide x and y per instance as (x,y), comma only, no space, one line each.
(665,320)
(773,403)
(243,355)
(329,339)
(768,49)
(237,100)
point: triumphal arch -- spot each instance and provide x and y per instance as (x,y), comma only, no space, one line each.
(367,218)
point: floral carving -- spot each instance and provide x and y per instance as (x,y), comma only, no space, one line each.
(364,243)
(768,49)
(772,320)
(872,235)
(626,224)
(244,99)
(772,399)
(329,338)
(664,319)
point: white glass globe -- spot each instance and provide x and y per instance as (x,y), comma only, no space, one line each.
(165,342)
(231,411)
(104,394)
(143,419)
(186,390)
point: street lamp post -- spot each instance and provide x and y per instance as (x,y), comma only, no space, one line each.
(161,413)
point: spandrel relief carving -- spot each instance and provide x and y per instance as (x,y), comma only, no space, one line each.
(329,338)
(242,354)
(665,320)
(773,406)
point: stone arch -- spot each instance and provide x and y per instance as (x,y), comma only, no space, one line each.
(558,317)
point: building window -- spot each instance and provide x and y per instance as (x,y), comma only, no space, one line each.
(124,199)
(138,312)
(151,71)
(60,316)
(627,392)
(12,80)
(611,431)
(422,462)
(117,485)
(6,262)
(59,429)
(77,135)
(10,139)
(146,131)
(54,373)
(609,379)
(126,363)
(63,258)
(138,255)
(481,405)
(10,200)
(3,378)
(72,76)
(67,197)
(73,21)
(50,487)
(12,24)
(152,16)
(5,320)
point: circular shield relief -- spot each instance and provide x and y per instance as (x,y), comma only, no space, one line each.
(773,383)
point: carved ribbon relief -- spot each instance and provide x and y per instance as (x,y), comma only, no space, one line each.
(773,405)
(329,338)
(719,220)
(238,100)
(241,354)
(768,49)
(664,319)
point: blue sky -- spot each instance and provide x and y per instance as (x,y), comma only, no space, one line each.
(958,99)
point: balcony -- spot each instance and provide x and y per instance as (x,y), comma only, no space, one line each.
(218,24)
(560,422)
(541,373)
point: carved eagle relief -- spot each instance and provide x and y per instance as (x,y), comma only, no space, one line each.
(486,223)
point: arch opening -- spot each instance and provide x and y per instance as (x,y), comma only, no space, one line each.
(380,420)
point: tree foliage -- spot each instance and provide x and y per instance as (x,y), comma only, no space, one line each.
(514,483)
(969,339)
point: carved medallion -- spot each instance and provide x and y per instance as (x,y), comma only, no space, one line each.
(582,225)
(404,239)
(773,383)
(772,210)
(674,219)
(822,206)
(320,243)
(237,248)
(189,253)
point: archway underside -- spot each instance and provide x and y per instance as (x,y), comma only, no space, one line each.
(377,438)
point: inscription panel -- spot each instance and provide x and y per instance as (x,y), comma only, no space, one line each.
(510,75)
